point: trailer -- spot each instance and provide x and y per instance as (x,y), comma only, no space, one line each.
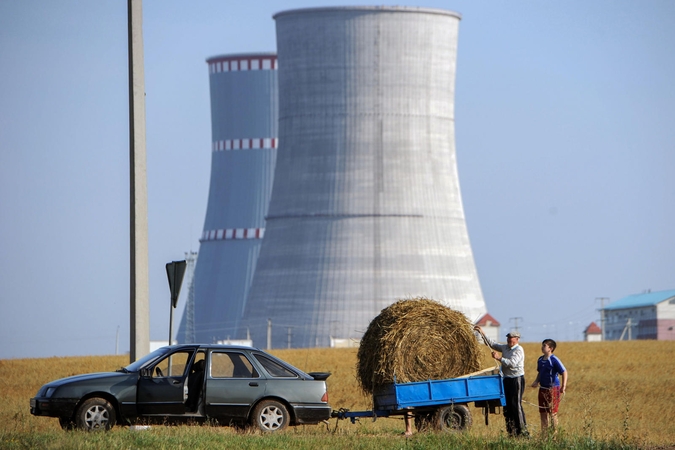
(437,404)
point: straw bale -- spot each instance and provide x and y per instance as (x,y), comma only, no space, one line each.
(416,340)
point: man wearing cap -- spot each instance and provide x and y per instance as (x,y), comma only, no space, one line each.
(512,359)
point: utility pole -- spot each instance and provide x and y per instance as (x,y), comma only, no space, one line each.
(602,315)
(140,285)
(515,320)
(628,327)
(269,334)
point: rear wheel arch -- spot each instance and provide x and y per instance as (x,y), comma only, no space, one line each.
(270,402)
(289,408)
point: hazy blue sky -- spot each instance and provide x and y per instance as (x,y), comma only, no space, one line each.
(565,121)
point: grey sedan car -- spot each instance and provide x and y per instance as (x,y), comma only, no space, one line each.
(231,385)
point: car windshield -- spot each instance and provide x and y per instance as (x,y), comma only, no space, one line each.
(136,365)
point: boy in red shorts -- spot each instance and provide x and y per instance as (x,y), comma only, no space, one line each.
(549,367)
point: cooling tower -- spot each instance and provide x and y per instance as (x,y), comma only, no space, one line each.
(244,115)
(366,206)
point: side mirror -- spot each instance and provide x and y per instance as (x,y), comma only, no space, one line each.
(146,372)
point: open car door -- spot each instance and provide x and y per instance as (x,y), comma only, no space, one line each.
(162,389)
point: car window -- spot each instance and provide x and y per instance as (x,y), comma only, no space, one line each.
(274,368)
(173,365)
(231,365)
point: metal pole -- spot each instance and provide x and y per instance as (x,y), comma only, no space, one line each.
(170,322)
(140,291)
(269,334)
(630,329)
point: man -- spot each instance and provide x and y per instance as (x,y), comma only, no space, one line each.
(512,359)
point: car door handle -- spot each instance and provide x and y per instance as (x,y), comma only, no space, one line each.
(253,384)
(177,382)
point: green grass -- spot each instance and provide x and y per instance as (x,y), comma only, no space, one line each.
(205,437)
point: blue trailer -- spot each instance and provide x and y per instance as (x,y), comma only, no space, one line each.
(436,404)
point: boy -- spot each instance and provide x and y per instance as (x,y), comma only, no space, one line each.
(549,367)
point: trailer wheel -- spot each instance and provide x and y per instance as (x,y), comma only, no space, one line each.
(452,418)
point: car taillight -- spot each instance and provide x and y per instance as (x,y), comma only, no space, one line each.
(324,398)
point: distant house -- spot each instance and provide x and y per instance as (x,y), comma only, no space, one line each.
(650,315)
(593,333)
(490,326)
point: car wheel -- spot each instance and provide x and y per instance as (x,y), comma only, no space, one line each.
(66,423)
(270,415)
(95,414)
(453,418)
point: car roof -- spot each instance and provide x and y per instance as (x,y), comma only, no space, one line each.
(302,373)
(213,346)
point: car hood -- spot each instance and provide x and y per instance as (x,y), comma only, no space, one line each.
(111,376)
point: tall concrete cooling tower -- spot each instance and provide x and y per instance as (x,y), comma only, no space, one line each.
(244,117)
(366,206)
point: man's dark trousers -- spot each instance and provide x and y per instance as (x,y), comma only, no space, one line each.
(513,411)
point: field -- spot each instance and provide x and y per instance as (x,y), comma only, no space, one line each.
(620,395)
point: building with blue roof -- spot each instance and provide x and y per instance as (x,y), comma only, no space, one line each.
(650,315)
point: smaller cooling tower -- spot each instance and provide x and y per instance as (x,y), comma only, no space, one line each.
(244,149)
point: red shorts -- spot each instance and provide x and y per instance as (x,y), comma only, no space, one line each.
(549,400)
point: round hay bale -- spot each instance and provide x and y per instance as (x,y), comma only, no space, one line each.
(416,340)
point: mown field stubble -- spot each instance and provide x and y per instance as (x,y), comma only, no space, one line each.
(620,394)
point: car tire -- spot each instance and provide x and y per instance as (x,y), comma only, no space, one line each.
(95,414)
(270,416)
(453,418)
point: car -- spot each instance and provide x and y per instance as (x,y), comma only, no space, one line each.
(226,384)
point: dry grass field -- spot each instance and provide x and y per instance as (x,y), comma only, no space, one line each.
(618,392)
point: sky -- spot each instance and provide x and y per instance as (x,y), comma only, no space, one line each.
(565,136)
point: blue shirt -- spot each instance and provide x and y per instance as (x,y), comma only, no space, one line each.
(548,369)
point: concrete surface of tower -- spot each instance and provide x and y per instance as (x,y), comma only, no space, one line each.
(366,206)
(244,118)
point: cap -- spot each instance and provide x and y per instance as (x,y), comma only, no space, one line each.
(513,334)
